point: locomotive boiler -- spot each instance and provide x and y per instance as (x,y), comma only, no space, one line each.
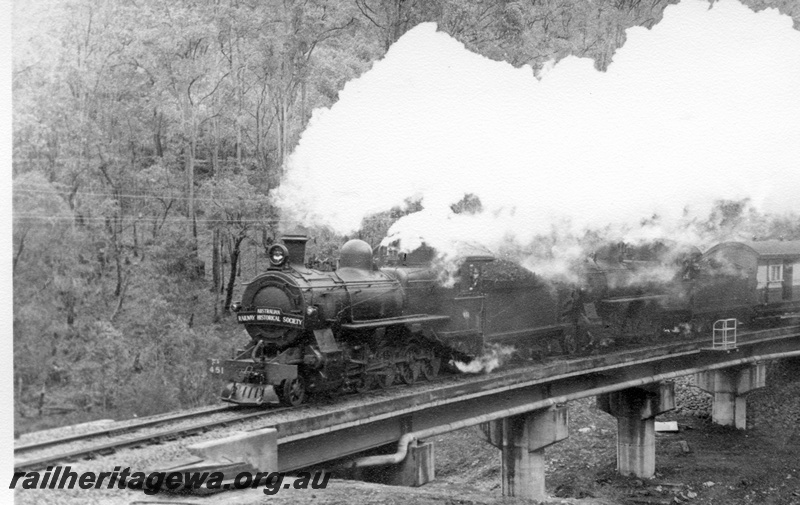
(354,328)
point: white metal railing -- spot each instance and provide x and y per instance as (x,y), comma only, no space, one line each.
(724,334)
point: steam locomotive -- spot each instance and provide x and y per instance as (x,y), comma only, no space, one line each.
(353,328)
(751,282)
(365,325)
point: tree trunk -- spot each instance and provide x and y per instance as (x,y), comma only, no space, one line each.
(118,260)
(285,133)
(232,278)
(238,146)
(255,259)
(189,183)
(70,306)
(117,255)
(302,104)
(157,134)
(215,151)
(216,306)
(135,241)
(240,107)
(118,309)
(215,273)
(20,248)
(282,119)
(41,399)
(191,135)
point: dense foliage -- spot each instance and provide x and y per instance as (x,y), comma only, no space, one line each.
(146,137)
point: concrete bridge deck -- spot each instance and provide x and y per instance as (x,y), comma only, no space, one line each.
(629,385)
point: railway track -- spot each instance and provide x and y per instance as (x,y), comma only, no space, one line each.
(105,441)
(118,430)
(38,455)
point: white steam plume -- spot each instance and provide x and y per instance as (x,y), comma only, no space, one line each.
(494,357)
(704,106)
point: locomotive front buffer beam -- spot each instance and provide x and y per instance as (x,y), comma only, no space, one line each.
(249,383)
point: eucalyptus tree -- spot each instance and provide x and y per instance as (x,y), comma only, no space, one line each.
(286,42)
(393,18)
(235,210)
(176,48)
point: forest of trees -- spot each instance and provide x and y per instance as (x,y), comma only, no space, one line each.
(146,138)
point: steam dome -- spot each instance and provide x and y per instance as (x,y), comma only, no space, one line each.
(356,254)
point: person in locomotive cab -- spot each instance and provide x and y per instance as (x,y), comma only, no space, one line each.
(474,277)
(691,267)
(574,313)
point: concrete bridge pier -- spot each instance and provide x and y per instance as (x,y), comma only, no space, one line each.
(523,439)
(636,410)
(728,387)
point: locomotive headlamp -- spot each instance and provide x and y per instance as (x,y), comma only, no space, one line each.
(236,306)
(311,310)
(278,254)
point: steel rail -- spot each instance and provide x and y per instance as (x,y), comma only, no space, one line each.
(110,447)
(118,430)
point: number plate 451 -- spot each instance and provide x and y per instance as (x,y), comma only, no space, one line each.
(215,366)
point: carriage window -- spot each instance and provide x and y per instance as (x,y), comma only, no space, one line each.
(775,273)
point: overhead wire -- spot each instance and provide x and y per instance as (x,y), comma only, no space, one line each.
(146,219)
(129,195)
(41,217)
(147,195)
(46,190)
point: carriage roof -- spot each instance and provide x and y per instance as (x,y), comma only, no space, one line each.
(762,249)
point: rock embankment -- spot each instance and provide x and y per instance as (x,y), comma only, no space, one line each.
(690,399)
(777,407)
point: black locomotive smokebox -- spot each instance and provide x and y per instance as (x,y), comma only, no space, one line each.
(296,244)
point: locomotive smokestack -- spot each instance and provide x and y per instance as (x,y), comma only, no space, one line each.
(296,244)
